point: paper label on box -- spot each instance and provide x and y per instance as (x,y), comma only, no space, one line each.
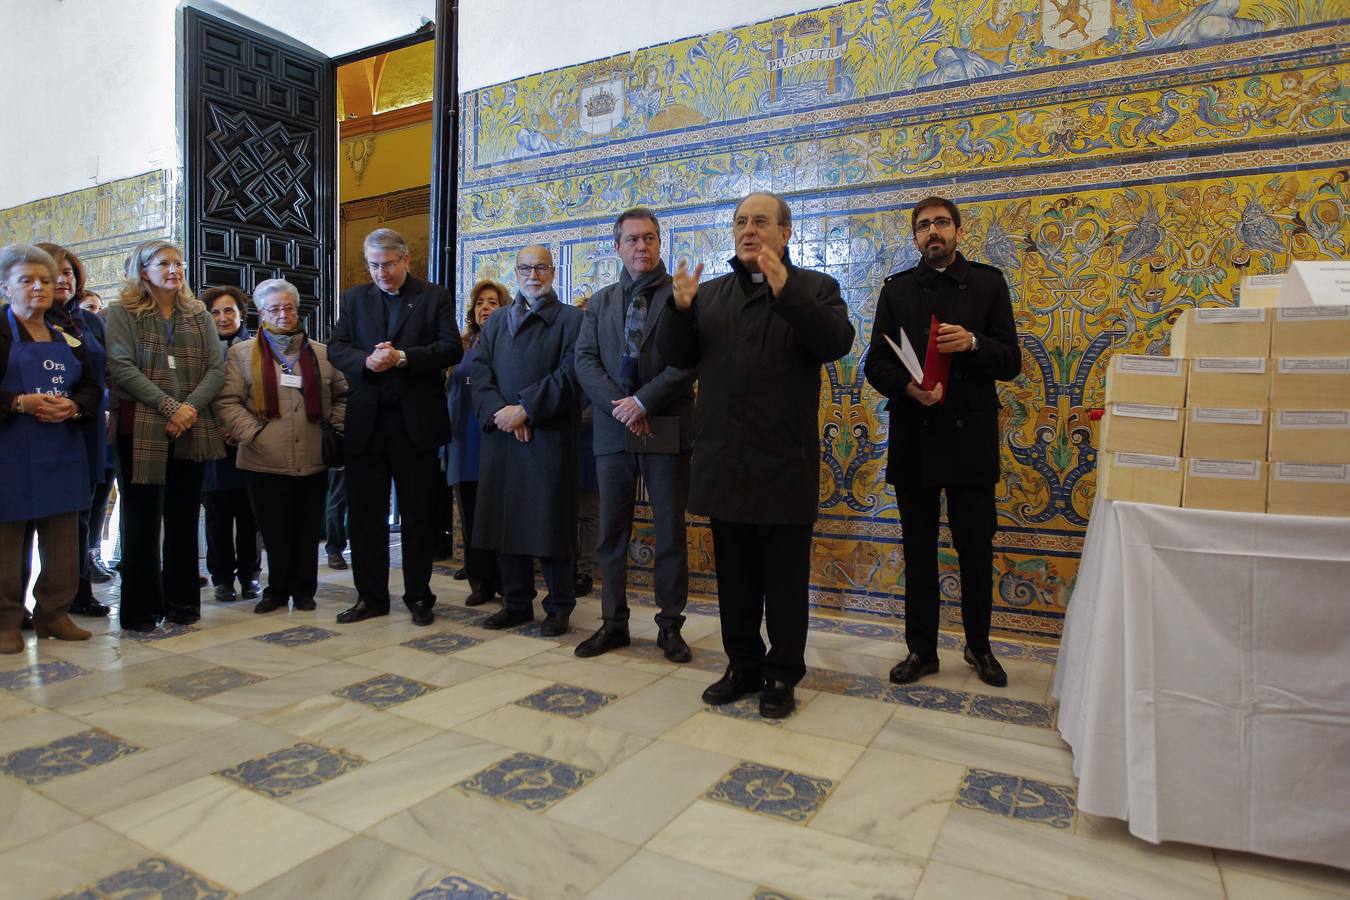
(1326,365)
(1265,281)
(1313,418)
(1232,365)
(1145,411)
(1326,474)
(1214,315)
(1306,313)
(1130,460)
(1237,469)
(1149,365)
(1216,416)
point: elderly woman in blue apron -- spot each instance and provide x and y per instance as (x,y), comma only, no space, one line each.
(48,393)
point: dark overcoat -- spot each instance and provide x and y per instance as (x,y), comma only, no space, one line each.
(756,426)
(527,492)
(954,443)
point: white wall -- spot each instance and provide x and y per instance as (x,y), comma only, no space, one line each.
(92,85)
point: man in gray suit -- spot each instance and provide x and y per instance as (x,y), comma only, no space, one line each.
(641,404)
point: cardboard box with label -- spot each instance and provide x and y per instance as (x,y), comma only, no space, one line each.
(1222,331)
(1155,380)
(1222,433)
(1310,435)
(1259,290)
(1236,485)
(1143,428)
(1310,331)
(1241,382)
(1140,477)
(1310,383)
(1308,489)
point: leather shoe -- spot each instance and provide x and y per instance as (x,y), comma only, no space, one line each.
(98,572)
(250,589)
(359,613)
(461,574)
(605,639)
(141,626)
(183,617)
(422,611)
(61,628)
(335,561)
(990,672)
(670,640)
(912,668)
(555,624)
(88,606)
(304,604)
(269,604)
(777,700)
(731,687)
(582,585)
(507,618)
(11,642)
(224,593)
(477,599)
(27,624)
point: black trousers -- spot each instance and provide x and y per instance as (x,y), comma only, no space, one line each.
(479,562)
(150,591)
(971,515)
(98,510)
(335,526)
(289,512)
(763,574)
(416,475)
(666,477)
(518,582)
(231,536)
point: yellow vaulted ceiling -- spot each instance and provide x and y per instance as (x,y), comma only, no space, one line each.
(386,82)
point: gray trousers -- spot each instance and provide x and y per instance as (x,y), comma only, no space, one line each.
(59,550)
(666,477)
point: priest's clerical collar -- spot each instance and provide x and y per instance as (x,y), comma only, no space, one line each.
(757,277)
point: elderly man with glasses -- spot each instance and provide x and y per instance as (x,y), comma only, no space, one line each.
(526,397)
(394,340)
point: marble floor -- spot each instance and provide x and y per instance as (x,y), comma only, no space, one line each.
(284,756)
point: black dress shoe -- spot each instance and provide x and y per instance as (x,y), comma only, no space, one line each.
(183,617)
(224,593)
(269,604)
(507,618)
(732,686)
(88,606)
(304,604)
(359,613)
(250,589)
(141,626)
(777,700)
(670,640)
(477,599)
(422,611)
(202,581)
(27,623)
(335,561)
(555,624)
(605,639)
(912,668)
(990,672)
(582,585)
(461,574)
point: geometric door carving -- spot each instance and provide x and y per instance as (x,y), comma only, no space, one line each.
(260,165)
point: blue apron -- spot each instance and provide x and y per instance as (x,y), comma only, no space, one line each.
(96,358)
(43,465)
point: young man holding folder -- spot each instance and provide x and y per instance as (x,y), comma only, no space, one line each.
(944,435)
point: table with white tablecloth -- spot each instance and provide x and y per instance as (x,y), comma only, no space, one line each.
(1204,678)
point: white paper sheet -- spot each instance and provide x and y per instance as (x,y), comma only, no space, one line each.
(907,356)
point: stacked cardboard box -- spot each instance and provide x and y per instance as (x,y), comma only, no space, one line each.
(1250,413)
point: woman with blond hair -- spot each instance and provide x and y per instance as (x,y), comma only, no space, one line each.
(164,370)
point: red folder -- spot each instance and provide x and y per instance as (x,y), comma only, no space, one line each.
(936,366)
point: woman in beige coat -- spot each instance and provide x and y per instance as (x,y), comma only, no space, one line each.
(279,392)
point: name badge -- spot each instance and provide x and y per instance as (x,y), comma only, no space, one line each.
(291,381)
(173,363)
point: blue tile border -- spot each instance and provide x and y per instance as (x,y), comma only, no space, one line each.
(1015,797)
(442,644)
(528,781)
(296,637)
(385,691)
(153,878)
(208,683)
(292,769)
(566,700)
(162,633)
(40,675)
(69,755)
(461,887)
(772,791)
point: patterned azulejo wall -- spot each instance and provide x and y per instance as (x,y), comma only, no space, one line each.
(102,224)
(1120,160)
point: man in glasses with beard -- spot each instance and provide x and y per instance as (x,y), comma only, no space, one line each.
(946,439)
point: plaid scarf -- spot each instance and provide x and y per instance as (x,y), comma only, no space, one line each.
(149,442)
(266,401)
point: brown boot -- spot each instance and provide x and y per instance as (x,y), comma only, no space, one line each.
(11,641)
(61,628)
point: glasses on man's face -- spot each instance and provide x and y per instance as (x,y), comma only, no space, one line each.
(538,269)
(740,223)
(278,311)
(940,222)
(388,266)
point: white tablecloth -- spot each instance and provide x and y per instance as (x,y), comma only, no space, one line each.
(1204,678)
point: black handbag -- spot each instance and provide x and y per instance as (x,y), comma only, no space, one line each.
(333,456)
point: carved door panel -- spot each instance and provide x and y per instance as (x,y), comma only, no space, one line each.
(260,156)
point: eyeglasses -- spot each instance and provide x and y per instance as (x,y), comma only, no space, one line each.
(740,223)
(538,269)
(940,222)
(288,309)
(165,264)
(389,266)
